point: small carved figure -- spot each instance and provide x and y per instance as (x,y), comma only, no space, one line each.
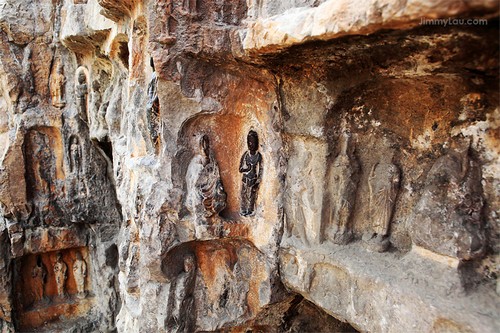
(383,184)
(153,107)
(80,273)
(57,81)
(205,192)
(252,169)
(96,100)
(39,279)
(343,180)
(75,156)
(180,317)
(81,93)
(60,272)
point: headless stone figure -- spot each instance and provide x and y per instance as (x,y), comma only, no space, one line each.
(38,278)
(60,273)
(251,168)
(80,273)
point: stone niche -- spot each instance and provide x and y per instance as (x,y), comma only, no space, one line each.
(45,292)
(214,284)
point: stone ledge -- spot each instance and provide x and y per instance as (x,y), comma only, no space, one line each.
(387,292)
(49,239)
(337,18)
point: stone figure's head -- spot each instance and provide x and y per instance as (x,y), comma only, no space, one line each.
(253,141)
(188,263)
(82,78)
(78,256)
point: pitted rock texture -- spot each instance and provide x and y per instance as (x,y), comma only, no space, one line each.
(371,197)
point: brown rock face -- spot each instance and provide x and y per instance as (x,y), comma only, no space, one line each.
(236,166)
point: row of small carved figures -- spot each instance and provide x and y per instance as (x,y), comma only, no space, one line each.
(39,276)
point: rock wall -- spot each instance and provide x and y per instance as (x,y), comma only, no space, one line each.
(226,166)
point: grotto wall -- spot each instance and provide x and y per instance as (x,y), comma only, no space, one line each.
(226,166)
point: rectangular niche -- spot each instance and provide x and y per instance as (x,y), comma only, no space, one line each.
(43,293)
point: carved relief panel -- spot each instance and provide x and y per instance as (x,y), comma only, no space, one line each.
(50,285)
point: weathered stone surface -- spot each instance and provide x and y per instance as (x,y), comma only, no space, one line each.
(375,291)
(133,198)
(277,28)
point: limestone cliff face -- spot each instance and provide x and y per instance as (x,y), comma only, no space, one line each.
(226,166)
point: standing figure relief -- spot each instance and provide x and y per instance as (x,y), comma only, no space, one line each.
(39,279)
(61,274)
(82,92)
(80,274)
(342,182)
(57,82)
(383,184)
(251,167)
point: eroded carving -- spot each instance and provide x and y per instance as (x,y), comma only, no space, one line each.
(57,82)
(39,279)
(82,94)
(251,168)
(447,218)
(80,274)
(205,192)
(342,178)
(75,155)
(41,174)
(383,184)
(181,298)
(60,273)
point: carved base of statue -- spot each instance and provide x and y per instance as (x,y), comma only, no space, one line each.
(340,236)
(376,242)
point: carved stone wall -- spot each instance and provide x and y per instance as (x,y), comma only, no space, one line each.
(226,166)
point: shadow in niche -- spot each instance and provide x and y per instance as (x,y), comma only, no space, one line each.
(123,53)
(304,316)
(106,146)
